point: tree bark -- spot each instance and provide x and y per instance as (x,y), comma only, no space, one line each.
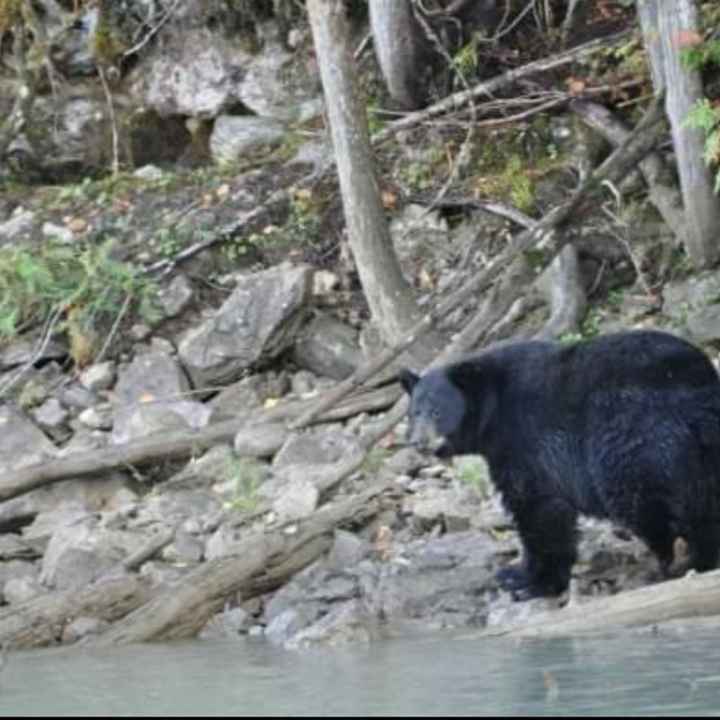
(391,299)
(41,621)
(400,51)
(667,28)
(688,597)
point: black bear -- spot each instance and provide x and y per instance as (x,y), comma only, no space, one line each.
(624,426)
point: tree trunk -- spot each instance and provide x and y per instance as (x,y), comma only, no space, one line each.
(400,51)
(391,299)
(667,28)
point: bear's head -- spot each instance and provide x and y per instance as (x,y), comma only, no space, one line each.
(437,410)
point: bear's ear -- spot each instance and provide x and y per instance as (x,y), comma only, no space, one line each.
(465,376)
(408,380)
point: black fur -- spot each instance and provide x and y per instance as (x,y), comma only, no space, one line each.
(624,426)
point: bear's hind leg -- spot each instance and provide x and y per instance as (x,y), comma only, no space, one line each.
(548,530)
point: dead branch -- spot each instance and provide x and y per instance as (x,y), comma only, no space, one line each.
(460,99)
(242,224)
(268,560)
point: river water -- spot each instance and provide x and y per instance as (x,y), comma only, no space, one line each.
(627,674)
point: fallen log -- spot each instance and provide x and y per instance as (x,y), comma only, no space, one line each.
(41,621)
(268,560)
(662,192)
(183,444)
(692,596)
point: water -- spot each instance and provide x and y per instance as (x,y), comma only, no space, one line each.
(628,674)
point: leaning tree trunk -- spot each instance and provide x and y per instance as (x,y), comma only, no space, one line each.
(400,50)
(391,299)
(667,28)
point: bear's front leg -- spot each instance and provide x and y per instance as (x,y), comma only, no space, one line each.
(548,530)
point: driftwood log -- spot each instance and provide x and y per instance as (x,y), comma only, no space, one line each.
(268,560)
(42,620)
(691,596)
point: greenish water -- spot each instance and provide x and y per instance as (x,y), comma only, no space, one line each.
(442,675)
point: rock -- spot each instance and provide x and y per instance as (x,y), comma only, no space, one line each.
(249,393)
(58,233)
(261,440)
(45,510)
(13,547)
(82,627)
(693,306)
(184,549)
(276,85)
(100,417)
(18,570)
(440,582)
(176,296)
(328,347)
(174,507)
(21,442)
(23,350)
(284,625)
(257,322)
(20,226)
(226,624)
(226,540)
(324,282)
(20,590)
(99,376)
(51,414)
(233,137)
(194,71)
(406,461)
(303,383)
(149,173)
(79,554)
(76,396)
(148,393)
(347,550)
(316,447)
(41,384)
(204,471)
(298,499)
(140,332)
(421,241)
(346,623)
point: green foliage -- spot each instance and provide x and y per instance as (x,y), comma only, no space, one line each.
(519,184)
(698,56)
(466,59)
(248,475)
(83,286)
(472,470)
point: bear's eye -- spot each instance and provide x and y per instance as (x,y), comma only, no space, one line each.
(435,414)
